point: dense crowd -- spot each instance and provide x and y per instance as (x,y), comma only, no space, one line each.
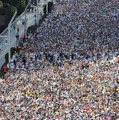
(69,68)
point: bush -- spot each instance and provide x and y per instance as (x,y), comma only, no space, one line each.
(19,4)
(1,4)
(50,5)
(10,12)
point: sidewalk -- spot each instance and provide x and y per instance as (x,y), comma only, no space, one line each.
(30,22)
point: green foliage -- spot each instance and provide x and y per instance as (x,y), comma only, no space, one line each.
(13,9)
(1,4)
(27,1)
(50,5)
(19,4)
(10,12)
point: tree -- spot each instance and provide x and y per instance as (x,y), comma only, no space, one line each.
(19,4)
(10,12)
(1,4)
(27,1)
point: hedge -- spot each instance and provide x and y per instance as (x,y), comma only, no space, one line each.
(10,12)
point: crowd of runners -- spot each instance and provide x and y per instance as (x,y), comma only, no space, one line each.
(69,67)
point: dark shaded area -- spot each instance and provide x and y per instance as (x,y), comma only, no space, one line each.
(2,28)
(34,27)
(50,5)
